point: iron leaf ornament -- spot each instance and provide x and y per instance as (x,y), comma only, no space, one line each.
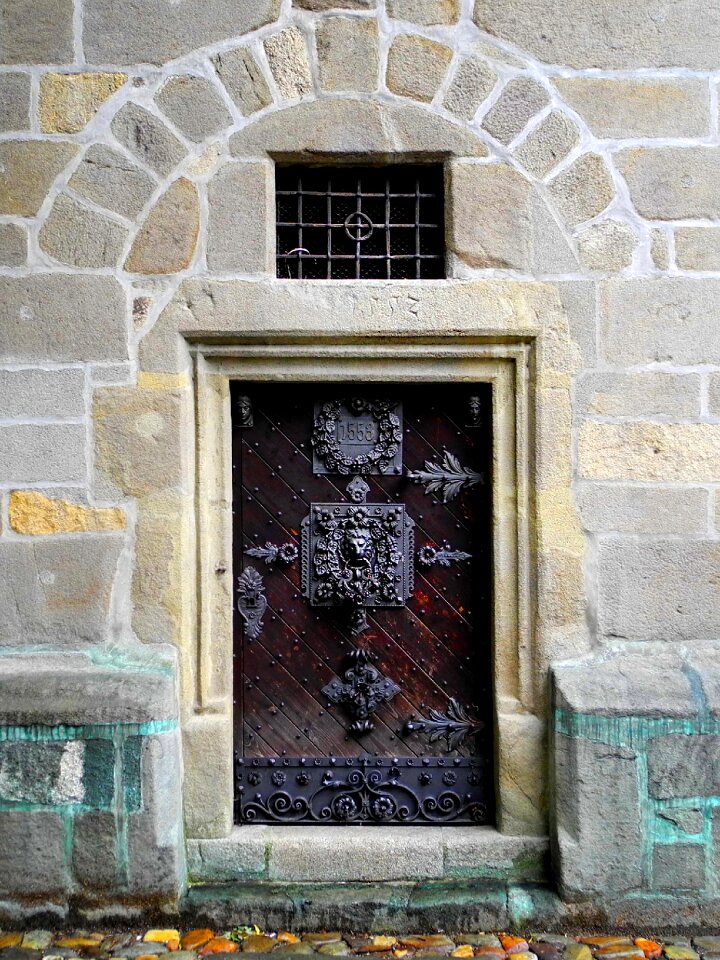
(456,725)
(252,602)
(444,556)
(286,554)
(446,479)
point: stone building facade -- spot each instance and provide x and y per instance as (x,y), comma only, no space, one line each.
(581,152)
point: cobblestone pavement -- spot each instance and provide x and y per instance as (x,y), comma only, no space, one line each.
(251,941)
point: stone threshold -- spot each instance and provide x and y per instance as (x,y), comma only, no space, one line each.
(367,854)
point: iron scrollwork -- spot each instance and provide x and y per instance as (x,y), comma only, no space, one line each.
(362,690)
(456,725)
(329,790)
(446,479)
(251,602)
(285,554)
(356,436)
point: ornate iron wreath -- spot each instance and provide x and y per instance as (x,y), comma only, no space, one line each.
(327,448)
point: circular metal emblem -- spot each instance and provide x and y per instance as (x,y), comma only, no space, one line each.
(360,223)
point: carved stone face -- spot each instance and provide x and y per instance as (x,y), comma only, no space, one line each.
(474,404)
(245,411)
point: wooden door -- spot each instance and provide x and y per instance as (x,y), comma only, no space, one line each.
(362,562)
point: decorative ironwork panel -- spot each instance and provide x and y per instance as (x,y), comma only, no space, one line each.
(340,223)
(350,643)
(385,791)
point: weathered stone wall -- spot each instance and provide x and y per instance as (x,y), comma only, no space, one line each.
(137,144)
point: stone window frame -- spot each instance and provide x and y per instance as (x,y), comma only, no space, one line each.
(505,366)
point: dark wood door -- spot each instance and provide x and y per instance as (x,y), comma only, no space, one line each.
(362,560)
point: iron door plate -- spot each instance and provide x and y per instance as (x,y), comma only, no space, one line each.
(359,554)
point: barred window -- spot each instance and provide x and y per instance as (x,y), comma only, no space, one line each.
(360,223)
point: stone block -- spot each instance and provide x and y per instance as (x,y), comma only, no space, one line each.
(348,53)
(241,856)
(650,452)
(303,853)
(31,513)
(194,106)
(36,31)
(41,393)
(94,851)
(547,144)
(319,6)
(156,849)
(38,317)
(519,101)
(62,589)
(658,590)
(208,754)
(607,247)
(69,101)
(158,576)
(13,245)
(425,12)
(416,67)
(697,248)
(672,183)
(584,190)
(14,101)
(137,441)
(287,54)
(27,170)
(145,33)
(591,695)
(714,394)
(37,841)
(111,180)
(77,235)
(631,509)
(660,320)
(648,33)
(638,395)
(497,219)
(167,239)
(354,126)
(42,773)
(143,134)
(243,79)
(31,453)
(483,853)
(625,107)
(660,248)
(683,766)
(473,82)
(120,684)
(241,234)
(678,866)
(599,845)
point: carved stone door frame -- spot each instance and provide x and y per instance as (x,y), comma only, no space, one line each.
(506,366)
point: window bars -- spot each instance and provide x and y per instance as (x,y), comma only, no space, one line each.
(360,223)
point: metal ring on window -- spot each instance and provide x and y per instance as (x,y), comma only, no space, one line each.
(362,224)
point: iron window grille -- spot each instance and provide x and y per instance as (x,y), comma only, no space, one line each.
(360,223)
